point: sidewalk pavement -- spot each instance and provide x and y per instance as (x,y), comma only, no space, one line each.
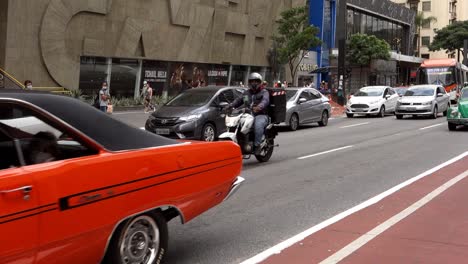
(337,110)
(424,222)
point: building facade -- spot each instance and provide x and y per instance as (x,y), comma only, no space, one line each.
(384,19)
(446,12)
(172,44)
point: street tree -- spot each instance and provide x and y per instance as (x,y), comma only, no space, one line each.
(420,21)
(450,38)
(294,36)
(363,48)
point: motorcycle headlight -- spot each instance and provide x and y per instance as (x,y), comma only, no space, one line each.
(190,118)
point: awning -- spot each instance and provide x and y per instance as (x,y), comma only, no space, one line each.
(323,69)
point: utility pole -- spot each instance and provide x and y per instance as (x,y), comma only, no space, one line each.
(465,52)
(341,40)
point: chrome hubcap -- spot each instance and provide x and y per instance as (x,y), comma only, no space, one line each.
(294,122)
(324,118)
(209,134)
(140,241)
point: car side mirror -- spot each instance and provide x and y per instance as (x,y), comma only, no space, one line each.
(302,100)
(440,94)
(387,96)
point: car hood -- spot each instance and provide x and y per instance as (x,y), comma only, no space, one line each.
(364,99)
(463,108)
(416,99)
(176,111)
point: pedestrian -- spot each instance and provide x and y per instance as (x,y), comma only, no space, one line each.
(28,85)
(148,95)
(104,97)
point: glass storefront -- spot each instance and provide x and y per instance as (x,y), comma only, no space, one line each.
(92,73)
(166,78)
(123,77)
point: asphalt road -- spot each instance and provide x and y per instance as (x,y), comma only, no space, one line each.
(288,195)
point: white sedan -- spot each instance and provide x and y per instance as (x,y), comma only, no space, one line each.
(372,100)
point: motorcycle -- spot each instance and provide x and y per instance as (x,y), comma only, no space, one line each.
(240,129)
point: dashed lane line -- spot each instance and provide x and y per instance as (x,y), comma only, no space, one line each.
(355,125)
(436,125)
(325,152)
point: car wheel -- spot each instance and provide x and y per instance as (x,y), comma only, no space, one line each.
(382,111)
(294,122)
(324,120)
(141,239)
(399,116)
(267,153)
(452,126)
(208,133)
(349,115)
(435,113)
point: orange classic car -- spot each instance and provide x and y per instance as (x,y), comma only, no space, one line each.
(78,186)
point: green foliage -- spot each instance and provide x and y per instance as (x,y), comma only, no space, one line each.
(75,93)
(451,37)
(294,34)
(364,48)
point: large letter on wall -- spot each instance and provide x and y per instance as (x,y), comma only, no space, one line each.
(62,67)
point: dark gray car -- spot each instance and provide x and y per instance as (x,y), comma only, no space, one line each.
(194,114)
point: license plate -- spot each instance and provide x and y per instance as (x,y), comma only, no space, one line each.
(411,108)
(162,131)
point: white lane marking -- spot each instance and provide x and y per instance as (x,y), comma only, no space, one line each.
(360,124)
(436,125)
(142,128)
(325,152)
(301,236)
(361,241)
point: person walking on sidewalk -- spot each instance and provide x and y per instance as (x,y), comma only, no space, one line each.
(148,96)
(104,97)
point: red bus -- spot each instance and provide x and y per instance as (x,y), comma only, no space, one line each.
(447,72)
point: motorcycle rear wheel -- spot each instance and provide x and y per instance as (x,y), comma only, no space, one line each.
(268,153)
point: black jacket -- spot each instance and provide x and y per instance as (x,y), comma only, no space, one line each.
(260,99)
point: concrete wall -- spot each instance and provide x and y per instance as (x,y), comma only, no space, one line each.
(47,37)
(3,30)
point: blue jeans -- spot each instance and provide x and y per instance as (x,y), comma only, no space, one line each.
(261,121)
(103,108)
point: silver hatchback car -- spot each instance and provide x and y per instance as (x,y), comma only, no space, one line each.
(429,100)
(305,106)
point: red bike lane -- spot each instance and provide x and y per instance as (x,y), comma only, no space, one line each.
(424,222)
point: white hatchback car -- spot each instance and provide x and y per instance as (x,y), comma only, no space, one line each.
(372,100)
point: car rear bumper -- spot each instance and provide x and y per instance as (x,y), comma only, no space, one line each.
(414,110)
(234,187)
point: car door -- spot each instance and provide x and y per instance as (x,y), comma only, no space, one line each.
(393,99)
(227,96)
(445,99)
(304,109)
(19,207)
(316,105)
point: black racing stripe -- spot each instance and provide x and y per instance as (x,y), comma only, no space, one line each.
(26,216)
(65,200)
(61,201)
(26,211)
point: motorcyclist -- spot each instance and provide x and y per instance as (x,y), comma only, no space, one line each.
(258,99)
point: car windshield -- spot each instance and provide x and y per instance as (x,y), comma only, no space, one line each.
(290,94)
(420,91)
(464,94)
(370,92)
(192,98)
(400,91)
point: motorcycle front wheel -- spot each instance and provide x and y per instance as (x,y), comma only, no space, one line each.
(266,154)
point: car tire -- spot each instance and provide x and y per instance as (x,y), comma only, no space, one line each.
(382,111)
(452,126)
(435,113)
(294,122)
(269,152)
(208,133)
(324,121)
(349,115)
(139,231)
(399,116)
